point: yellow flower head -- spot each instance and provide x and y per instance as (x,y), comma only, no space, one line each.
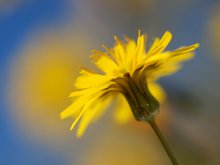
(127,74)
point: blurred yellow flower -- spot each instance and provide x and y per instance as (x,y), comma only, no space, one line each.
(128,72)
(41,74)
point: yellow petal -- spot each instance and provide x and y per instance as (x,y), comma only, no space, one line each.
(81,98)
(159,58)
(182,58)
(184,53)
(89,91)
(140,51)
(123,112)
(94,112)
(119,53)
(159,45)
(164,70)
(157,91)
(89,83)
(169,61)
(130,52)
(85,108)
(77,119)
(105,63)
(89,79)
(75,108)
(185,49)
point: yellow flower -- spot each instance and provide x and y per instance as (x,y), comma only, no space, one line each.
(127,75)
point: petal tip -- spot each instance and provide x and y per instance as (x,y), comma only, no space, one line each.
(196,45)
(168,34)
(62,116)
(79,135)
(139,32)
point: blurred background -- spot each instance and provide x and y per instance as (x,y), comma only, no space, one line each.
(42,45)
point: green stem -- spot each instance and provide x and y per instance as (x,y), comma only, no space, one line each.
(163,141)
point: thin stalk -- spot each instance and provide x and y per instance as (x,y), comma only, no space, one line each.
(163,141)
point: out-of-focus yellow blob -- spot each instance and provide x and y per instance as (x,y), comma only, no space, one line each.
(41,80)
(48,79)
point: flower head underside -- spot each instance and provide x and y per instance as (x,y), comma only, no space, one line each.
(127,74)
